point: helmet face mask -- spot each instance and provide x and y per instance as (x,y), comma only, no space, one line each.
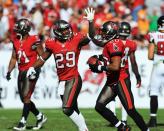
(124,29)
(22,27)
(62,30)
(160,23)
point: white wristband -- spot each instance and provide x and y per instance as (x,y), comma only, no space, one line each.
(99,67)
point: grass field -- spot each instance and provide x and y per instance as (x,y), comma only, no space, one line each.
(57,121)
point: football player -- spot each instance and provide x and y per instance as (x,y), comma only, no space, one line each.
(26,49)
(156,53)
(65,47)
(117,78)
(130,48)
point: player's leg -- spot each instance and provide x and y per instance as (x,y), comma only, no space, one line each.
(26,89)
(124,115)
(70,108)
(153,92)
(106,95)
(22,124)
(126,97)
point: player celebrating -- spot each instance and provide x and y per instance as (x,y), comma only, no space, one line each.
(156,53)
(66,48)
(118,82)
(25,52)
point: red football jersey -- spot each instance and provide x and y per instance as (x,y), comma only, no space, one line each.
(113,48)
(66,56)
(129,47)
(26,51)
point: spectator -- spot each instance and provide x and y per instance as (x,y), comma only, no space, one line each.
(153,20)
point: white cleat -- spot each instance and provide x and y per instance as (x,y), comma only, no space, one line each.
(40,123)
(21,127)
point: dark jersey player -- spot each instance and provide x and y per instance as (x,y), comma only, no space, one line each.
(129,51)
(26,49)
(65,47)
(114,52)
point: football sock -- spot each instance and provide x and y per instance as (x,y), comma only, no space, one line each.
(138,119)
(23,120)
(124,114)
(25,112)
(33,108)
(78,120)
(153,104)
(39,116)
(119,124)
(84,126)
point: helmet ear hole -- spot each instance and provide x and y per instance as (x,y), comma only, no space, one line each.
(62,30)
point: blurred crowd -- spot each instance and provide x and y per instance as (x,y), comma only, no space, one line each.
(43,13)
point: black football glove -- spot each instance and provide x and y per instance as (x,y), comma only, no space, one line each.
(8,76)
(94,68)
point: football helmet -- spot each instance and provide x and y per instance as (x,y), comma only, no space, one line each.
(124,29)
(22,26)
(62,30)
(160,23)
(109,30)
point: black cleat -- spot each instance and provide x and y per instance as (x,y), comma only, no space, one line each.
(40,122)
(152,122)
(124,128)
(21,127)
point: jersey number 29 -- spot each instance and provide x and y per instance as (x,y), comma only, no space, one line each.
(69,58)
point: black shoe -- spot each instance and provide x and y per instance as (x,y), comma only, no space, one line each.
(40,122)
(21,127)
(152,122)
(124,128)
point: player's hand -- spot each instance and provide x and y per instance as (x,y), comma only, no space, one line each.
(8,76)
(138,81)
(31,73)
(90,14)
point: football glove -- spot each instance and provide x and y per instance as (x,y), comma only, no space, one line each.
(90,14)
(8,76)
(31,73)
(138,81)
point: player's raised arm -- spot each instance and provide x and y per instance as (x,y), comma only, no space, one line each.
(11,64)
(91,29)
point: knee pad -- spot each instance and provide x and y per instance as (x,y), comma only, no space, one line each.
(99,107)
(67,111)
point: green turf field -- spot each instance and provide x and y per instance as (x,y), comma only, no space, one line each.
(57,121)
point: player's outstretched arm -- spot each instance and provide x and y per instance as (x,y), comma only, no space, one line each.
(91,29)
(11,64)
(135,69)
